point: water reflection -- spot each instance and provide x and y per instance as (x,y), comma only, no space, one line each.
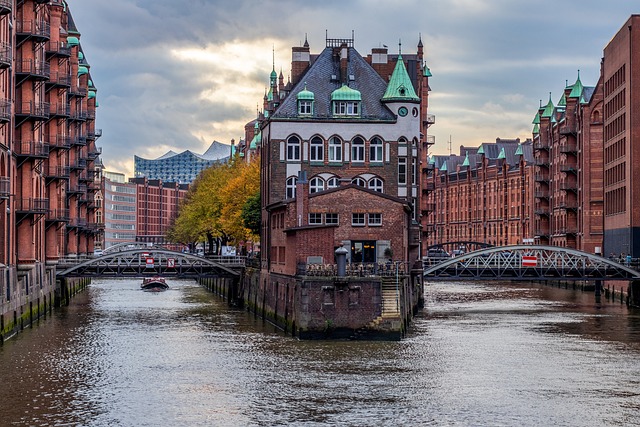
(480,354)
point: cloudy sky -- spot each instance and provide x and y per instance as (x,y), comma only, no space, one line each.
(176,75)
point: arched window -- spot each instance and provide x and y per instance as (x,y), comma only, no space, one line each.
(357,150)
(317,149)
(335,149)
(375,150)
(333,182)
(316,184)
(359,182)
(375,184)
(293,148)
(291,187)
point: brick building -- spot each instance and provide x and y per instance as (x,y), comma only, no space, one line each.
(49,162)
(568,188)
(340,147)
(481,195)
(620,77)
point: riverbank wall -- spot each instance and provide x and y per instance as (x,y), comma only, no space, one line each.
(31,292)
(311,307)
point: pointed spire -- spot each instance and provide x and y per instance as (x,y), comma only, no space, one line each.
(466,161)
(548,109)
(400,87)
(443,168)
(481,149)
(519,151)
(420,40)
(576,90)
(536,119)
(536,129)
(502,155)
(306,42)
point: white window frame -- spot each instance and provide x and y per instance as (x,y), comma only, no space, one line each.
(305,107)
(357,150)
(293,149)
(359,181)
(333,182)
(316,149)
(375,150)
(376,184)
(335,149)
(290,190)
(402,171)
(316,184)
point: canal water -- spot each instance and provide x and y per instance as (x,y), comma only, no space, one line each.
(479,355)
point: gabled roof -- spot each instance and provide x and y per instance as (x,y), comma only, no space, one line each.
(216,151)
(323,78)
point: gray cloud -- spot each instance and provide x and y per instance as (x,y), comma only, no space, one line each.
(492,61)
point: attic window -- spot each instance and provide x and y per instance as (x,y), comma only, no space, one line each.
(402,91)
(346,108)
(305,107)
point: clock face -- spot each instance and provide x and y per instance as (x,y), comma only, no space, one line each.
(403,111)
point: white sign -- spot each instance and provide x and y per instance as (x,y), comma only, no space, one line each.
(171,262)
(228,251)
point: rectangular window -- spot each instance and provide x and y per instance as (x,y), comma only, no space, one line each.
(375,219)
(305,107)
(315,218)
(357,219)
(331,218)
(414,170)
(402,170)
(342,108)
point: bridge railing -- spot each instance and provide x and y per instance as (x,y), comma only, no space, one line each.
(355,269)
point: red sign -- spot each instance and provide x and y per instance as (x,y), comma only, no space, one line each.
(529,261)
(149,262)
(171,262)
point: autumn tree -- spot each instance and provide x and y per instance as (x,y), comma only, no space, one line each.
(212,210)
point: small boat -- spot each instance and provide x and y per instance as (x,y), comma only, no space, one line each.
(155,284)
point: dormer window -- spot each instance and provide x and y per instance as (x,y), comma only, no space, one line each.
(305,102)
(346,102)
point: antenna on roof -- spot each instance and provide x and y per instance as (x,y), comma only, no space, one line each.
(399,46)
(449,145)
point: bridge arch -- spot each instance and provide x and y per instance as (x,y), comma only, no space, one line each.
(527,262)
(127,246)
(468,245)
(133,263)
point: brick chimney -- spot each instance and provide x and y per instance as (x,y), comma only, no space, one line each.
(344,62)
(300,61)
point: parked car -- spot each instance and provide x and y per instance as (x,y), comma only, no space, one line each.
(97,252)
(437,253)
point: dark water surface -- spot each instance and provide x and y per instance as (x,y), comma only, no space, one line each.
(479,355)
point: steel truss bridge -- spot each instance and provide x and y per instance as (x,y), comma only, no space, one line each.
(527,262)
(153,262)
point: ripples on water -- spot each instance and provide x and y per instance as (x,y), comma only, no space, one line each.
(480,354)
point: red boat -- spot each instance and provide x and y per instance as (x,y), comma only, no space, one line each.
(155,284)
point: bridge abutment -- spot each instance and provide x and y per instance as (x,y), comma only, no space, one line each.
(634,293)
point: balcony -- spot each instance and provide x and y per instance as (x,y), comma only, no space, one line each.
(78,115)
(568,230)
(569,169)
(541,194)
(6,55)
(541,211)
(30,68)
(77,92)
(33,110)
(77,223)
(5,187)
(76,189)
(31,149)
(5,6)
(430,119)
(80,141)
(541,177)
(79,164)
(542,232)
(569,129)
(59,79)
(568,206)
(540,145)
(430,140)
(428,187)
(91,114)
(58,48)
(61,142)
(38,31)
(541,162)
(5,110)
(97,133)
(95,153)
(31,206)
(569,148)
(569,186)
(58,215)
(58,173)
(59,110)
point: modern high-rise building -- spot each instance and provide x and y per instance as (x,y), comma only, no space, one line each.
(184,167)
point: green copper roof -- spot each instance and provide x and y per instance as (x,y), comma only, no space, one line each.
(270,95)
(536,119)
(536,128)
(548,109)
(255,141)
(563,101)
(519,151)
(481,149)
(432,160)
(90,84)
(426,72)
(305,94)
(345,93)
(92,94)
(82,70)
(502,155)
(73,41)
(466,160)
(576,90)
(400,87)
(443,168)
